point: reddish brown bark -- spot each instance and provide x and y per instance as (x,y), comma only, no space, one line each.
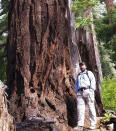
(109,5)
(39,70)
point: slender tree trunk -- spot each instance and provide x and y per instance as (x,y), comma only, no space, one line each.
(39,71)
(110,7)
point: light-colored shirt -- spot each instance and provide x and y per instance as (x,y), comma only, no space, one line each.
(84,80)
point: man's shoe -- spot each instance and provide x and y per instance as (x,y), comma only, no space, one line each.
(92,127)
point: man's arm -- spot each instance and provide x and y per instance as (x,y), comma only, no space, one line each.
(92,80)
(76,85)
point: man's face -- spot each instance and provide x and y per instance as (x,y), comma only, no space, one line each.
(83,68)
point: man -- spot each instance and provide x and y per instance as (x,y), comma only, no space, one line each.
(85,86)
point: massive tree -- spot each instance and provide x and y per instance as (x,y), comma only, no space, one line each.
(39,70)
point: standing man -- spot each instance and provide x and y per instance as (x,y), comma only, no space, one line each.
(85,86)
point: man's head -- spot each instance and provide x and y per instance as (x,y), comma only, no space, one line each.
(82,66)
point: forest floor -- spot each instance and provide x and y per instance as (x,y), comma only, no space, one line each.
(99,127)
(109,126)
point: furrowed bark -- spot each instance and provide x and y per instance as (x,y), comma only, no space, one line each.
(39,71)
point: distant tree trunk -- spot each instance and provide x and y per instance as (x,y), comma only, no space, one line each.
(39,71)
(109,5)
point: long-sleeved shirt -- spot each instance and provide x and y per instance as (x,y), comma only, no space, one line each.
(84,80)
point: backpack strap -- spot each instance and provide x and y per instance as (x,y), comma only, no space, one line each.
(88,76)
(77,84)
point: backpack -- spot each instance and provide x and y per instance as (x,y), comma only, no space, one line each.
(87,76)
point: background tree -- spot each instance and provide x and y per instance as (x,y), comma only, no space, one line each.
(109,5)
(105,27)
(3,37)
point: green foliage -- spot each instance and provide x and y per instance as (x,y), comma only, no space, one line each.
(80,7)
(113,46)
(107,118)
(109,93)
(108,67)
(83,22)
(4,6)
(3,37)
(106,29)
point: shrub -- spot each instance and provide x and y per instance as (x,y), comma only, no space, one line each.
(109,93)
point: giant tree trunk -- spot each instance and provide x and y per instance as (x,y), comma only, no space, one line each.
(39,71)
